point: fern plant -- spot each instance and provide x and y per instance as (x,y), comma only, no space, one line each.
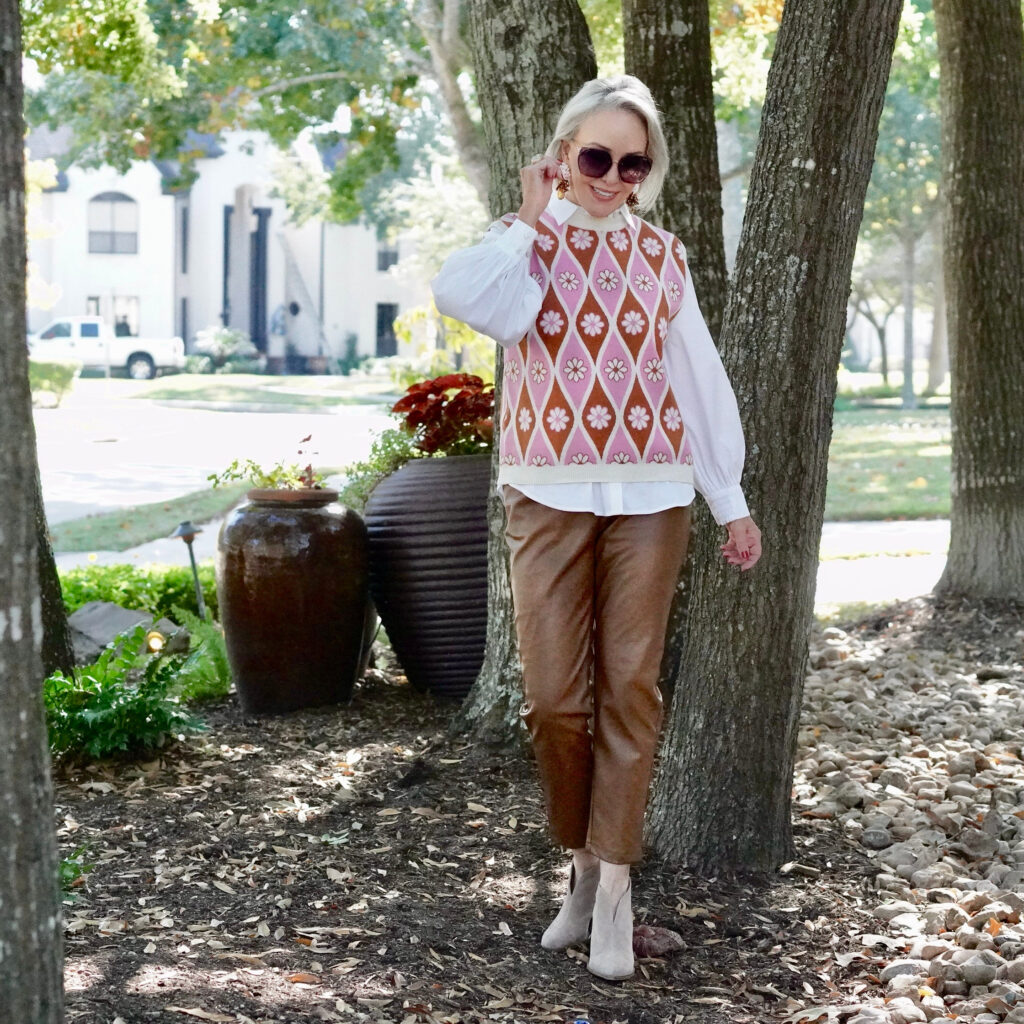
(205,673)
(111,707)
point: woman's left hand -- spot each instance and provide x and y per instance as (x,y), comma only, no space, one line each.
(743,548)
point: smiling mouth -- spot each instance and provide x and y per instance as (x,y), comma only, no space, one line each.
(601,193)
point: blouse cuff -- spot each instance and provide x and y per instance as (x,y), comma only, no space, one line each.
(727,505)
(517,239)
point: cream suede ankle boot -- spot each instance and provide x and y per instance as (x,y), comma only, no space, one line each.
(611,938)
(573,920)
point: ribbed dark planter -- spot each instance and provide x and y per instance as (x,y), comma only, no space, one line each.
(292,581)
(427,525)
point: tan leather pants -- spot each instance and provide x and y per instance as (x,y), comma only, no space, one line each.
(592,596)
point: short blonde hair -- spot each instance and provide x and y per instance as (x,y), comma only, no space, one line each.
(623,92)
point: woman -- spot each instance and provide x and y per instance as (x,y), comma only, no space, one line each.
(615,407)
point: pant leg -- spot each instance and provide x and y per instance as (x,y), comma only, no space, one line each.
(638,559)
(552,576)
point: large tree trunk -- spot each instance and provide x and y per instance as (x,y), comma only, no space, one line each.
(30,921)
(981,59)
(722,800)
(530,57)
(909,399)
(668,46)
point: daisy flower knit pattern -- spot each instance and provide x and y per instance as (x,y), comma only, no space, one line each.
(586,395)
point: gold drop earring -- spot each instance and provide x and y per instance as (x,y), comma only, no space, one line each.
(633,202)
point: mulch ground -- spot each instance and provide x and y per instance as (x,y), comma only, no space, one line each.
(364,864)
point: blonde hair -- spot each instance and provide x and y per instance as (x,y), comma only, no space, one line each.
(623,92)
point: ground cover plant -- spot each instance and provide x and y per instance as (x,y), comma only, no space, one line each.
(124,703)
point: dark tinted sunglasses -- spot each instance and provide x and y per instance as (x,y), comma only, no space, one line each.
(595,163)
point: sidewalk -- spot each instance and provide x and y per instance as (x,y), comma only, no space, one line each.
(860,562)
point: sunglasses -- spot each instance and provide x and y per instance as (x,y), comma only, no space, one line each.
(595,163)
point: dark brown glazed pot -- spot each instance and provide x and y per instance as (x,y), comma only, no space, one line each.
(427,524)
(292,580)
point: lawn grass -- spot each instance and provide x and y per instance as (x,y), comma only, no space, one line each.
(889,464)
(308,392)
(127,527)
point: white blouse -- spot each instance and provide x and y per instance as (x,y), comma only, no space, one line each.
(489,287)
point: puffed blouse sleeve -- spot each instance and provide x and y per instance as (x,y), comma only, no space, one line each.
(710,413)
(489,286)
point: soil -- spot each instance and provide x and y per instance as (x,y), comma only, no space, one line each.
(366,864)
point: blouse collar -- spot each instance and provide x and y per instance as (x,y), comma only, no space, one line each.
(565,209)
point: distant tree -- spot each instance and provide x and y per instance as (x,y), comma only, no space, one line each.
(31,983)
(903,196)
(722,799)
(981,55)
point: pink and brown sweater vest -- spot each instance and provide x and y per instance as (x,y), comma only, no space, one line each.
(586,394)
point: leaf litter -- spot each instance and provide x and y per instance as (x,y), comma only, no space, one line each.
(362,863)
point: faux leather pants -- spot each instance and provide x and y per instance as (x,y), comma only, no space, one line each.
(591,597)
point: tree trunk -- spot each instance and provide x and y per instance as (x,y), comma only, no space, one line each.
(981,58)
(30,921)
(909,267)
(883,342)
(58,652)
(938,355)
(668,47)
(722,799)
(530,57)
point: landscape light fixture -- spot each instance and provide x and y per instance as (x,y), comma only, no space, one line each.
(187,532)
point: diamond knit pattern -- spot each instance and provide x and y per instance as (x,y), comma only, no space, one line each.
(586,393)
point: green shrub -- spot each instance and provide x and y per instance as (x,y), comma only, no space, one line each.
(111,707)
(205,673)
(198,363)
(153,590)
(55,378)
(390,450)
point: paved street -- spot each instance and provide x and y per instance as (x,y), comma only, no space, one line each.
(102,450)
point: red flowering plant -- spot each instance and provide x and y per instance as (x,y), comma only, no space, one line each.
(449,415)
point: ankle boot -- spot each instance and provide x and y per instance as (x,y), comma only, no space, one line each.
(573,920)
(611,939)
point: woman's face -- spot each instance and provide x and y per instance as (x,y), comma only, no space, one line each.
(620,132)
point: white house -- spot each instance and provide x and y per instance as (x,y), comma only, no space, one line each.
(157,261)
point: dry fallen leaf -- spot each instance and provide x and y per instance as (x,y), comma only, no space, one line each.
(649,940)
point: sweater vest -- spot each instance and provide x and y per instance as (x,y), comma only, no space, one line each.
(586,395)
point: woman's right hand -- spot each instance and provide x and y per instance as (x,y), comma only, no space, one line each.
(537,178)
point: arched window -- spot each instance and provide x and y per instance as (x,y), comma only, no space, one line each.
(113,223)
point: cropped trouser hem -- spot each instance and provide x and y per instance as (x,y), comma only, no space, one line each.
(591,597)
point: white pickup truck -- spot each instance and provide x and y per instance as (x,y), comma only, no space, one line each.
(90,341)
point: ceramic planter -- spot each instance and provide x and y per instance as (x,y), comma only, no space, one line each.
(427,526)
(292,581)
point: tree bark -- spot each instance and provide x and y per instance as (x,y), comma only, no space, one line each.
(722,799)
(668,46)
(530,57)
(981,59)
(30,921)
(909,268)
